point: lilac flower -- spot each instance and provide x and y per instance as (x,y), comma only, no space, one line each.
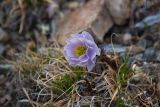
(81,50)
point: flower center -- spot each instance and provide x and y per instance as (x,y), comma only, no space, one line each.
(80,50)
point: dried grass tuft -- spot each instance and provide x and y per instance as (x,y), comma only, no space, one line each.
(48,80)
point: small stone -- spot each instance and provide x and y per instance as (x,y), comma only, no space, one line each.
(92,17)
(5,68)
(110,48)
(133,49)
(52,8)
(149,38)
(11,52)
(3,36)
(127,38)
(119,10)
(158,56)
(149,54)
(142,43)
(53,27)
(120,38)
(2,79)
(157,44)
(5,98)
(152,69)
(2,49)
(148,21)
(73,4)
(158,89)
(31,46)
(139,57)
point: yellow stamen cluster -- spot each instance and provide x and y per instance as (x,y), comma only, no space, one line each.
(80,50)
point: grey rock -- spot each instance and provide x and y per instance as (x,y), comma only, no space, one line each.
(4,68)
(52,8)
(142,43)
(148,21)
(151,69)
(157,44)
(139,57)
(158,56)
(133,49)
(149,54)
(109,48)
(3,36)
(2,49)
(53,27)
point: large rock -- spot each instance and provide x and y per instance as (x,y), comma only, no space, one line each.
(92,17)
(119,10)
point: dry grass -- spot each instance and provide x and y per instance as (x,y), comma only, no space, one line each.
(49,81)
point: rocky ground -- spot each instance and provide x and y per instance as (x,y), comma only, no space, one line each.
(33,32)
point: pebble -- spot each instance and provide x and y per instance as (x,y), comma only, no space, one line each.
(52,8)
(109,48)
(53,27)
(5,68)
(158,56)
(142,43)
(139,57)
(149,54)
(2,49)
(73,5)
(157,44)
(133,49)
(127,38)
(3,36)
(2,79)
(149,21)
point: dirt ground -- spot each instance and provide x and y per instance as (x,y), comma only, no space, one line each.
(32,34)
